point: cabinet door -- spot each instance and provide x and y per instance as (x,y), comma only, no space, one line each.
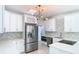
(75,22)
(10,23)
(71,22)
(16,22)
(6,21)
(68,23)
(8,46)
(20,45)
(19,23)
(13,22)
(1,19)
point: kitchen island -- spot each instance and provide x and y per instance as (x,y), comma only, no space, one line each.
(60,48)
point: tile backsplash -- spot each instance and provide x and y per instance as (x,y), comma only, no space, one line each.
(71,36)
(52,34)
(11,35)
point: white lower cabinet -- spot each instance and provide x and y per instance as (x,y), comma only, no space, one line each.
(20,46)
(7,47)
(15,46)
(53,50)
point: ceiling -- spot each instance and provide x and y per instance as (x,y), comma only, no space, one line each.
(48,10)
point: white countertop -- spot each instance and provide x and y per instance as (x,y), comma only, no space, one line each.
(69,48)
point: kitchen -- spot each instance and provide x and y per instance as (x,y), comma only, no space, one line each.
(57,25)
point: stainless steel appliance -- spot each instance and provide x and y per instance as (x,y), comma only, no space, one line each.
(31,37)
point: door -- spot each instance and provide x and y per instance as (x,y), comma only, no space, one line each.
(30,33)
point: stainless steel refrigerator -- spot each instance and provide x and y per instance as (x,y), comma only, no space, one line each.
(31,37)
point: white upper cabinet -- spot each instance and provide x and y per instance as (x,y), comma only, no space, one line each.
(1,22)
(50,25)
(67,24)
(16,22)
(71,22)
(12,22)
(59,24)
(6,21)
(30,19)
(19,22)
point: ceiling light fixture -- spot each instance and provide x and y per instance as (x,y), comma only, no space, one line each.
(40,9)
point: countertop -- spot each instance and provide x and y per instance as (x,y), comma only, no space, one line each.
(69,48)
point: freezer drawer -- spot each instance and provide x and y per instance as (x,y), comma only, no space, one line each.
(31,47)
